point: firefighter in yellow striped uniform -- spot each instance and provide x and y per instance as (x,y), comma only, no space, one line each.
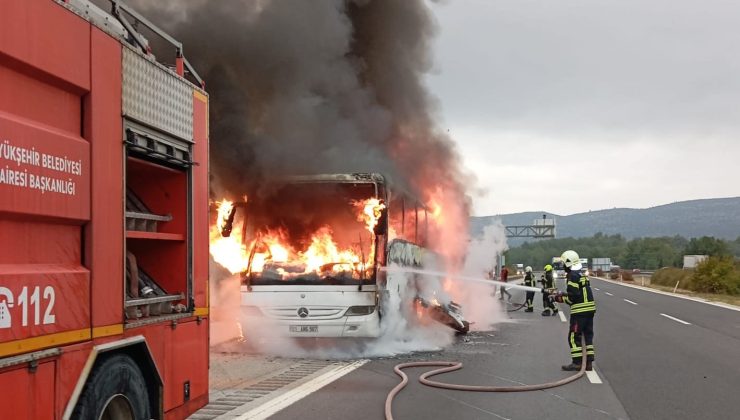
(529,281)
(580,298)
(548,282)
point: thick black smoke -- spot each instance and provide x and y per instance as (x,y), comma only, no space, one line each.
(319,86)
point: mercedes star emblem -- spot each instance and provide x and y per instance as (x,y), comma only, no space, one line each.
(302,312)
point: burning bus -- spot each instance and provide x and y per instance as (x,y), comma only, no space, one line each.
(310,252)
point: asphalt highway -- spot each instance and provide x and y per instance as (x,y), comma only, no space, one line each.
(668,357)
(657,357)
(526,349)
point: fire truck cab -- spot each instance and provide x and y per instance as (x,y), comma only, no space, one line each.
(103,217)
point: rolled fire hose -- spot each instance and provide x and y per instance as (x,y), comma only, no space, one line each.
(453,366)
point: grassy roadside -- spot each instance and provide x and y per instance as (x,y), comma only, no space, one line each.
(712,297)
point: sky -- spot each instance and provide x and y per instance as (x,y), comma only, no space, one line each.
(568,106)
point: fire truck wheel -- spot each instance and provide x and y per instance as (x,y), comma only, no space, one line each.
(115,390)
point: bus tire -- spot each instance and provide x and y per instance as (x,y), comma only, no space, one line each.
(115,390)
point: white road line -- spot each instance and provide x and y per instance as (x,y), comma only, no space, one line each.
(608,294)
(596,288)
(273,406)
(676,319)
(593,377)
(675,295)
(629,301)
(562,316)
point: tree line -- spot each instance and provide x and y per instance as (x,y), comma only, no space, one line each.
(642,253)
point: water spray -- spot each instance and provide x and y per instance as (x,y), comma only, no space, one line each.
(459,277)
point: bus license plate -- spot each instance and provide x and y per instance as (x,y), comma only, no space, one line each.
(304,328)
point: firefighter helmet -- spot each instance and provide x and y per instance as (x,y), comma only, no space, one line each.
(570,258)
(528,269)
(548,267)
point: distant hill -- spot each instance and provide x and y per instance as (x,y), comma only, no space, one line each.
(718,217)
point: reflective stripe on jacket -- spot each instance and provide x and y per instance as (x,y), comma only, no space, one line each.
(549,283)
(529,280)
(579,295)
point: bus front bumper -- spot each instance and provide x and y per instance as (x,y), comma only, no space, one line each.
(362,326)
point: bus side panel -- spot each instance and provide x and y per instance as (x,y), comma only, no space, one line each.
(28,396)
(103,128)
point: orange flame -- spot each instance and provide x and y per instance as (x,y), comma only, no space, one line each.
(436,211)
(371,210)
(229,252)
(321,254)
(224,209)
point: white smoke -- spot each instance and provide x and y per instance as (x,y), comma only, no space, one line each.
(225,311)
(478,300)
(402,330)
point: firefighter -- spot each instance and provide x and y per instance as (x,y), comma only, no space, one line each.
(529,281)
(548,283)
(580,298)
(505,278)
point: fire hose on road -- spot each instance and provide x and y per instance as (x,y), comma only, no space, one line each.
(453,366)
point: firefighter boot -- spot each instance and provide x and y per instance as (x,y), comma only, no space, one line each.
(576,367)
(555,312)
(546,312)
(529,310)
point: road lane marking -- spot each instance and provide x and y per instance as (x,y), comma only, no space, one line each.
(596,288)
(273,406)
(562,316)
(676,319)
(629,301)
(675,295)
(593,377)
(608,294)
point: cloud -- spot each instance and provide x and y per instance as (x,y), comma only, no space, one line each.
(541,94)
(582,67)
(533,173)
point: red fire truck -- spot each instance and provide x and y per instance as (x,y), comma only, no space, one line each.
(103,217)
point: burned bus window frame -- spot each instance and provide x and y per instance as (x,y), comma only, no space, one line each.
(365,248)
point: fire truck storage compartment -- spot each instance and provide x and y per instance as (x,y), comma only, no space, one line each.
(27,405)
(157,231)
(183,346)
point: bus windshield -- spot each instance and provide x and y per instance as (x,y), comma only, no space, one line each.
(313,233)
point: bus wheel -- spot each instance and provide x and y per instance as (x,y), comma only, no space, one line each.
(115,390)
